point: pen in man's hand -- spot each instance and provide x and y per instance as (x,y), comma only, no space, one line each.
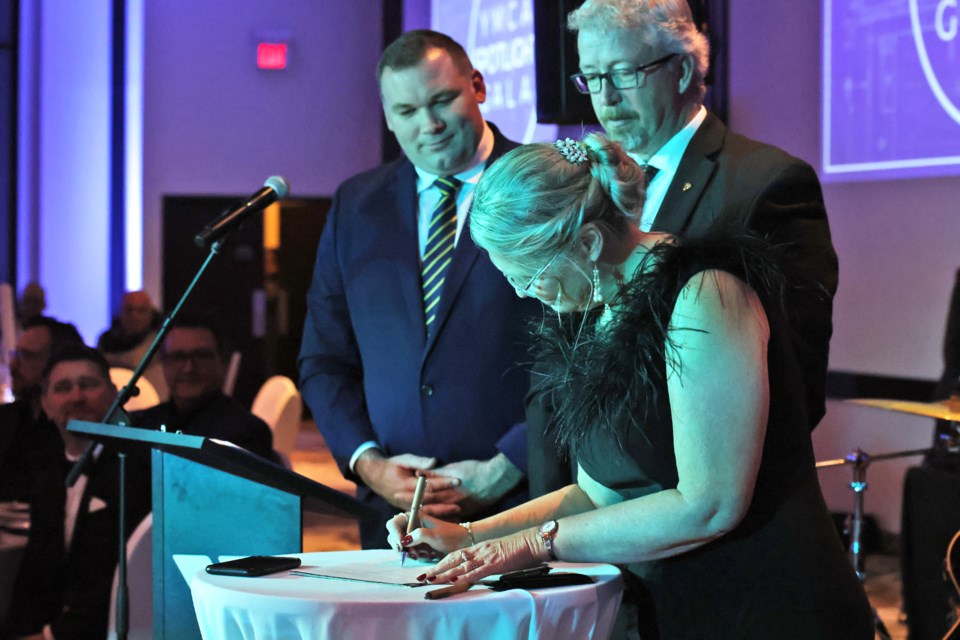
(414,508)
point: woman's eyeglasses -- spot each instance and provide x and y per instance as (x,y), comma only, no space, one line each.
(525,289)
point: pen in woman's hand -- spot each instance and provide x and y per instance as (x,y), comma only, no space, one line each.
(414,508)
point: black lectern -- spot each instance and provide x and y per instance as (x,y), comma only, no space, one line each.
(213,498)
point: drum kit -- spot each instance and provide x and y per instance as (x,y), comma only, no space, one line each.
(947,440)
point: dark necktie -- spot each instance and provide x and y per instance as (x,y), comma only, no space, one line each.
(649,172)
(438,252)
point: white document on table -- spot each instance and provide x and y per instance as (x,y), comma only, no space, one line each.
(383,572)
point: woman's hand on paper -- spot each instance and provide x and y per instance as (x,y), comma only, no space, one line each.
(502,555)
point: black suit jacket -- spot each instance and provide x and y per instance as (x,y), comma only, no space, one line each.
(71,590)
(21,436)
(725,183)
(87,574)
(32,470)
(219,417)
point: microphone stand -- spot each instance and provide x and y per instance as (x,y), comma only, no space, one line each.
(131,391)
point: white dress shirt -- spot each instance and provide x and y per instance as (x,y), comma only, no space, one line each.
(666,160)
(428,198)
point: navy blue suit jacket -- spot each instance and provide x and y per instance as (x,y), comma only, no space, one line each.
(368,370)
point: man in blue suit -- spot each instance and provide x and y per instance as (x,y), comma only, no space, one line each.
(413,344)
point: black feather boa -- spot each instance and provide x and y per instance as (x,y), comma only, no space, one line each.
(606,379)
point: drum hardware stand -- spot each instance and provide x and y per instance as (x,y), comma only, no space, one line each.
(860,460)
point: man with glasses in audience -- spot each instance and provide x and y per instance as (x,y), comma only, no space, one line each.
(643,63)
(194,366)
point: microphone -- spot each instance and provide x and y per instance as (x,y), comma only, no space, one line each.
(274,189)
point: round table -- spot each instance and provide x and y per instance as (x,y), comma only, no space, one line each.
(281,606)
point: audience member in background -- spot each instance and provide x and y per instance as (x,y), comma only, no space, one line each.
(64,584)
(23,427)
(194,366)
(407,364)
(130,335)
(41,338)
(32,302)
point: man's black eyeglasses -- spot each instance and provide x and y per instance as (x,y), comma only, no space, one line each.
(619,78)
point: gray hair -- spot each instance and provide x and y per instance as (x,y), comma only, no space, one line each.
(666,25)
(531,203)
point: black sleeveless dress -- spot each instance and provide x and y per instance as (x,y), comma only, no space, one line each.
(782,573)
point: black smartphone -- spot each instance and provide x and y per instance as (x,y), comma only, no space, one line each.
(253,566)
(540,581)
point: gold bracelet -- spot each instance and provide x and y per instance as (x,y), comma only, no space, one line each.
(469,527)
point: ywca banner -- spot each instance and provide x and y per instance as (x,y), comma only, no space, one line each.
(891,88)
(498,37)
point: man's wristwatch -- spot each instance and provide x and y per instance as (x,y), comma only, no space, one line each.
(548,532)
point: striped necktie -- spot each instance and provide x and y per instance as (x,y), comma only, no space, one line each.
(438,253)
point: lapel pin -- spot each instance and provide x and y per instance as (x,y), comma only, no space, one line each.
(687,186)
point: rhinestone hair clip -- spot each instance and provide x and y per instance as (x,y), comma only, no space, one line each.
(572,150)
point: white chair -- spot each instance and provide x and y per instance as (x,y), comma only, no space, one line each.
(278,403)
(139,584)
(148,396)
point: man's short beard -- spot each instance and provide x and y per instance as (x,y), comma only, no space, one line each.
(632,143)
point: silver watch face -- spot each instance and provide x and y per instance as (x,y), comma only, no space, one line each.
(547,529)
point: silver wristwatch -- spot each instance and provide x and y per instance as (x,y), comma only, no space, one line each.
(548,533)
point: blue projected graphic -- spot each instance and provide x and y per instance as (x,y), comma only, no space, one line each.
(498,37)
(891,88)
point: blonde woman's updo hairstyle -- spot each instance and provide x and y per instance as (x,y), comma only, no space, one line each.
(531,203)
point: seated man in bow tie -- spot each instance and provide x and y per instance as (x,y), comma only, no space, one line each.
(64,584)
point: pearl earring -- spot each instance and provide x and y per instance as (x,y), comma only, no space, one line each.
(597,296)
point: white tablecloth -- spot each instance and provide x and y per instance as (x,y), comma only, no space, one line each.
(281,606)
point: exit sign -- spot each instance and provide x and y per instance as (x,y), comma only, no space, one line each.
(271,55)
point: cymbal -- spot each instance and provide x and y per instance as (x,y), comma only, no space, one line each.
(944,410)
